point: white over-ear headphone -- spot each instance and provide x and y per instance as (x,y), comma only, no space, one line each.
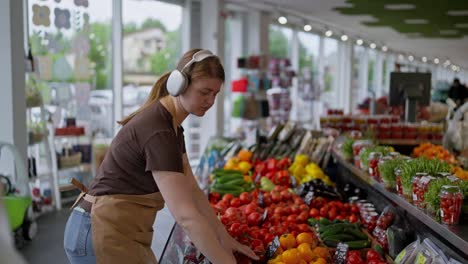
(178,81)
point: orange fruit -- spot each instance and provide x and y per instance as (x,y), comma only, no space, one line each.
(291,256)
(305,251)
(302,261)
(287,241)
(305,238)
(244,155)
(320,252)
(320,261)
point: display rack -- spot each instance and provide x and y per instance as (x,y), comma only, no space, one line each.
(62,175)
(453,239)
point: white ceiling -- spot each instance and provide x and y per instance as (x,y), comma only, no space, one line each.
(322,11)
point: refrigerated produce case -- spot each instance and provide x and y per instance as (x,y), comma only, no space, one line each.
(453,240)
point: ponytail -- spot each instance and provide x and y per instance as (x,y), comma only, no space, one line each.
(158,91)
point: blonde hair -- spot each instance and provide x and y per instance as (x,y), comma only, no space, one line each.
(210,67)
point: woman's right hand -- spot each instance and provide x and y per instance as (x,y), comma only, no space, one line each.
(232,245)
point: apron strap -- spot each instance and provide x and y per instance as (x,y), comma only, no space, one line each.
(82,188)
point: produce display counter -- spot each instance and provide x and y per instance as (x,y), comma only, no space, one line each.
(452,239)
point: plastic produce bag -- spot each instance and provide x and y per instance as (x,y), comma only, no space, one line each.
(408,254)
(398,237)
(429,253)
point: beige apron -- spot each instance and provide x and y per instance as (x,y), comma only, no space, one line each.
(122,227)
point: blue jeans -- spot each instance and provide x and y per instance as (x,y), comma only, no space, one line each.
(78,242)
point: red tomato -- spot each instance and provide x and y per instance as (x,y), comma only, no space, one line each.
(268,238)
(254,219)
(332,213)
(250,208)
(287,211)
(302,218)
(372,254)
(292,218)
(346,207)
(245,197)
(256,242)
(267,200)
(304,208)
(354,257)
(227,221)
(314,212)
(295,209)
(352,218)
(227,197)
(235,230)
(281,230)
(303,228)
(255,234)
(220,208)
(294,233)
(375,261)
(285,195)
(279,210)
(266,225)
(324,211)
(275,197)
(339,217)
(244,229)
(354,209)
(236,202)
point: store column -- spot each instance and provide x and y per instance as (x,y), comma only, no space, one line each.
(117,64)
(212,38)
(345,55)
(12,74)
(363,79)
(390,62)
(378,68)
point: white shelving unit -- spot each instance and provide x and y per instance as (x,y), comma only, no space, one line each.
(62,176)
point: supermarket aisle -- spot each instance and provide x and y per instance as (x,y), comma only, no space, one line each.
(47,247)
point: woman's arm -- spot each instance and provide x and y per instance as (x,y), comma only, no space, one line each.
(205,208)
(177,193)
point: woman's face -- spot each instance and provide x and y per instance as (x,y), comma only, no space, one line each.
(201,95)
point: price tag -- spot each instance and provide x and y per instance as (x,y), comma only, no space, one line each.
(300,190)
(309,197)
(293,181)
(260,200)
(265,215)
(272,248)
(341,252)
(258,177)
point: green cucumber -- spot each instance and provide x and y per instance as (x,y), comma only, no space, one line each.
(229,178)
(340,237)
(325,221)
(358,244)
(331,243)
(332,231)
(235,182)
(333,227)
(312,221)
(356,233)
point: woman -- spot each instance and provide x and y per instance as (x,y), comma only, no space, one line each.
(145,167)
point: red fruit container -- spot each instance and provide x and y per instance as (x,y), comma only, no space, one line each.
(374,158)
(398,187)
(423,186)
(451,199)
(415,185)
(371,221)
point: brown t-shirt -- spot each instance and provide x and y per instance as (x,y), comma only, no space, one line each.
(147,142)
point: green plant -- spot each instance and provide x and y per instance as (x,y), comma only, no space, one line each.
(347,148)
(431,197)
(410,168)
(365,152)
(387,170)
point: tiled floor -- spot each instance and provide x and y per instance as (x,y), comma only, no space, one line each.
(47,247)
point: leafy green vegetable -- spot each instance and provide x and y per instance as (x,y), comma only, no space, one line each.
(365,152)
(431,197)
(347,148)
(410,168)
(387,170)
